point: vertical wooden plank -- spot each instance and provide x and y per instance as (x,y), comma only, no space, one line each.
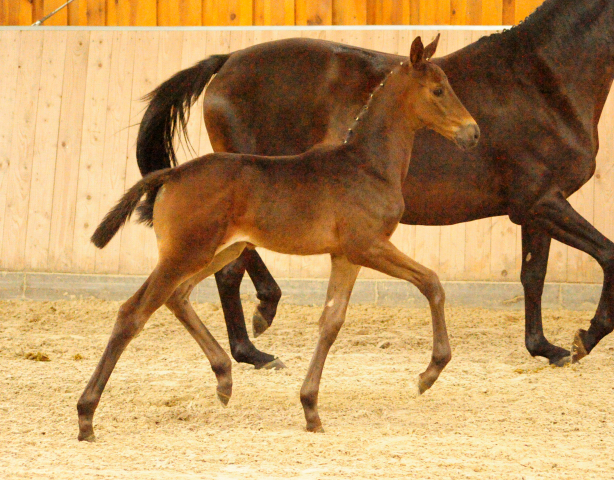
(87,215)
(20,12)
(9,58)
(4,12)
(69,139)
(115,158)
(508,11)
(142,13)
(274,12)
(349,12)
(45,150)
(458,12)
(525,8)
(77,12)
(22,147)
(134,257)
(452,237)
(59,19)
(231,12)
(478,234)
(309,12)
(434,12)
(180,12)
(474,12)
(492,12)
(579,264)
(604,181)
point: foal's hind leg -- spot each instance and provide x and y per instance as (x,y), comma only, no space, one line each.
(131,319)
(179,304)
(386,258)
(342,278)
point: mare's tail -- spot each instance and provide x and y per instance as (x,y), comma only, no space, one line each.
(119,214)
(168,111)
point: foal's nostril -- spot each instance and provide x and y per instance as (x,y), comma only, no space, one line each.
(468,136)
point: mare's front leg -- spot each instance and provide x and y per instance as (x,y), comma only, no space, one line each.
(384,257)
(535,250)
(228,281)
(556,217)
(342,278)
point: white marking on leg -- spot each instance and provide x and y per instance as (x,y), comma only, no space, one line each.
(528,257)
(331,303)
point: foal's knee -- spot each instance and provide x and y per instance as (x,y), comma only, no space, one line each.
(431,288)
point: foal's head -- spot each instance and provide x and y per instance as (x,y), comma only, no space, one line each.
(433,102)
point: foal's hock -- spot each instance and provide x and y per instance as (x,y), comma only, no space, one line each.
(344,200)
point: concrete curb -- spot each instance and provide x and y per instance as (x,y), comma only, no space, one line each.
(496,295)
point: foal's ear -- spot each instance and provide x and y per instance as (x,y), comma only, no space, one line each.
(416,54)
(429,50)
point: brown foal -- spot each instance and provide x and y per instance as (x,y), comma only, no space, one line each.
(345,200)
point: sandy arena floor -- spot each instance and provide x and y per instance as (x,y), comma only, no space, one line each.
(494,413)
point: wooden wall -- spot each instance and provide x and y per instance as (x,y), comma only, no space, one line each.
(268,12)
(70,110)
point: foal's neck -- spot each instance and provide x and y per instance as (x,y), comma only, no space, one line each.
(383,133)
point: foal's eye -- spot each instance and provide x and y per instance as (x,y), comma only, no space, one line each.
(438,92)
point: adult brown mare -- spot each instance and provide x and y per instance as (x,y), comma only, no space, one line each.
(343,200)
(536,90)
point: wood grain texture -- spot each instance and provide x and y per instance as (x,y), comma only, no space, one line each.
(93,136)
(45,150)
(21,151)
(68,153)
(115,157)
(10,44)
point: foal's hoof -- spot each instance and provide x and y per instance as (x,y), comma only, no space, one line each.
(422,386)
(276,364)
(578,350)
(87,438)
(223,398)
(259,323)
(318,429)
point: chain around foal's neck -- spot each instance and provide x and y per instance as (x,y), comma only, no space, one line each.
(365,108)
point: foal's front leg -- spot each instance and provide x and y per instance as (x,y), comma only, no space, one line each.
(342,278)
(386,258)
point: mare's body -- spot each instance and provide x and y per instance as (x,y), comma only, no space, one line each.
(537,92)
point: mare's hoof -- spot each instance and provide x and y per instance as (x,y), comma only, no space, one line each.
(578,350)
(87,438)
(259,323)
(224,398)
(276,364)
(561,362)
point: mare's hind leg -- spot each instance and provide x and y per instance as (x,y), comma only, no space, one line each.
(342,277)
(386,258)
(267,291)
(535,249)
(131,319)
(228,281)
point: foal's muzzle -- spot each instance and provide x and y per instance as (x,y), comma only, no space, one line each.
(467,137)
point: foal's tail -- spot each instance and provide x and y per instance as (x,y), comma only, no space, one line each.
(117,216)
(169,110)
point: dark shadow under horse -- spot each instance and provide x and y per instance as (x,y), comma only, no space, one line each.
(537,91)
